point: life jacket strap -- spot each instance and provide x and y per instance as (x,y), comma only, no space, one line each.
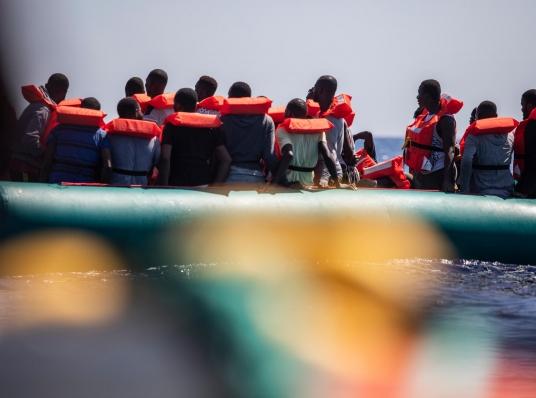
(133,173)
(491,167)
(426,147)
(301,169)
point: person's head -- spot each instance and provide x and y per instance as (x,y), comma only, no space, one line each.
(156,82)
(185,100)
(429,94)
(128,108)
(239,90)
(134,86)
(472,118)
(486,110)
(296,108)
(57,87)
(324,91)
(205,87)
(528,102)
(91,103)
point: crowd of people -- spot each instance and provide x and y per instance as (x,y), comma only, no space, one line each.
(195,138)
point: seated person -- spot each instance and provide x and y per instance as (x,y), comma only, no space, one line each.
(134,86)
(159,108)
(134,145)
(300,149)
(77,148)
(249,138)
(205,89)
(27,151)
(487,155)
(525,148)
(193,150)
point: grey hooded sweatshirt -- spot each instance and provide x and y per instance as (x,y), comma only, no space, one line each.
(249,138)
(487,150)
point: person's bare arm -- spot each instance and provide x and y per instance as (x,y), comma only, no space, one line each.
(368,143)
(447,127)
(47,162)
(329,161)
(106,166)
(287,154)
(223,159)
(348,148)
(163,167)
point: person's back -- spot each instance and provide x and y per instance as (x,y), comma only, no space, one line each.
(485,167)
(193,150)
(27,151)
(249,138)
(74,147)
(134,145)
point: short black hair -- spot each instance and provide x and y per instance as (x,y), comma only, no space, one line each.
(187,99)
(209,83)
(529,96)
(127,108)
(486,109)
(134,86)
(158,76)
(240,90)
(328,83)
(296,108)
(91,103)
(58,81)
(432,88)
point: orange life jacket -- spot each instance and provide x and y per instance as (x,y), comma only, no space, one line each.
(341,108)
(195,120)
(277,113)
(451,104)
(133,128)
(143,100)
(496,125)
(213,103)
(392,168)
(306,126)
(246,106)
(519,145)
(419,136)
(364,160)
(70,115)
(33,93)
(163,101)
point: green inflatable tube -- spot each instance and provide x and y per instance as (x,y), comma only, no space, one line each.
(478,227)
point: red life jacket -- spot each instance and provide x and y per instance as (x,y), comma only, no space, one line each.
(213,103)
(519,145)
(194,120)
(163,101)
(71,102)
(495,125)
(277,113)
(419,135)
(364,160)
(133,128)
(70,115)
(246,106)
(143,100)
(306,126)
(452,105)
(33,93)
(313,108)
(392,168)
(53,119)
(341,108)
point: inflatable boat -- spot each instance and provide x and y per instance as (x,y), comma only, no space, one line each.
(134,219)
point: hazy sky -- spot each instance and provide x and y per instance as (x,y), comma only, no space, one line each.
(378,50)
